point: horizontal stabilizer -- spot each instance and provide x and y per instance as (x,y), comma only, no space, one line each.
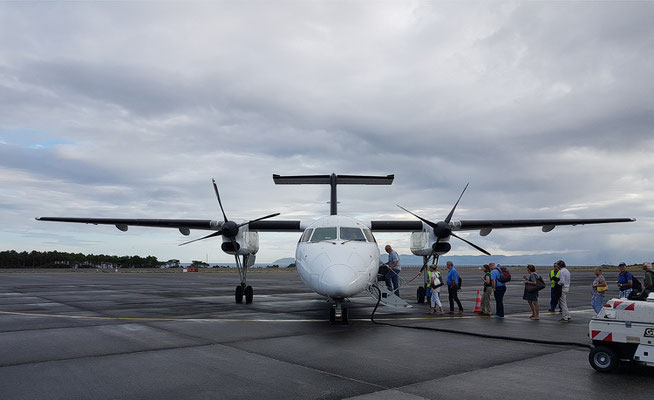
(327,179)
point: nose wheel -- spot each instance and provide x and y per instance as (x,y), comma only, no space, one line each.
(338,313)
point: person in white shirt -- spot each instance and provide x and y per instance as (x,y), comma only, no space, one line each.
(564,282)
(435,283)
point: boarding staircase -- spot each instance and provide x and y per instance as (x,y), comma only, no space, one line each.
(388,298)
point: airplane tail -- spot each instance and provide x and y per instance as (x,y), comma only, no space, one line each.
(333,180)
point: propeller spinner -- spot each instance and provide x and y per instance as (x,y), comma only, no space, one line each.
(442,229)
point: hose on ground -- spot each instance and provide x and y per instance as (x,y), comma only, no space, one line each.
(474,334)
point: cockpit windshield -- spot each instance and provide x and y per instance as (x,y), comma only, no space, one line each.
(352,234)
(331,233)
(321,234)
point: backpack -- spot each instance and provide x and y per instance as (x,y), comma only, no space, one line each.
(458,286)
(636,285)
(505,275)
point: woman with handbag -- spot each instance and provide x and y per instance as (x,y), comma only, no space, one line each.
(531,291)
(435,283)
(599,287)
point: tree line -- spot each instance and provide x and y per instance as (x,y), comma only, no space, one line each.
(57,259)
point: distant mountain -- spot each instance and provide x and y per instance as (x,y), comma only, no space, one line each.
(545,259)
(579,258)
(284,262)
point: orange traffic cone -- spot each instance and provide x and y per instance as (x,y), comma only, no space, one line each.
(478,303)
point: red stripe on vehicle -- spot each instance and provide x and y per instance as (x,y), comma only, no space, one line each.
(609,338)
(630,307)
(595,333)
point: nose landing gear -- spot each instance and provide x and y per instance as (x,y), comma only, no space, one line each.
(338,312)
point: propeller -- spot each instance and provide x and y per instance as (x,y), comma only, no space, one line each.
(442,229)
(228,229)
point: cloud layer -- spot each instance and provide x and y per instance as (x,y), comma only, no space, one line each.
(128,110)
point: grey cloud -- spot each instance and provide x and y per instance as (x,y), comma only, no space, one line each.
(541,106)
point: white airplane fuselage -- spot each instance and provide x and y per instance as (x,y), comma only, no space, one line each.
(337,257)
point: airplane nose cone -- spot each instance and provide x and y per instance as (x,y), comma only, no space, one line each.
(339,281)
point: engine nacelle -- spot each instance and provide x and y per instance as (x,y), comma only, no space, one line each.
(245,243)
(424,244)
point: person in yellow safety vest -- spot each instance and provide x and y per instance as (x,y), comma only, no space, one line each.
(555,291)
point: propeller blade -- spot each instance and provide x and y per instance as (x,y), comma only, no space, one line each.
(471,244)
(432,224)
(215,188)
(202,238)
(449,216)
(258,219)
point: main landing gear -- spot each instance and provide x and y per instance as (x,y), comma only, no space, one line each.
(338,312)
(243,290)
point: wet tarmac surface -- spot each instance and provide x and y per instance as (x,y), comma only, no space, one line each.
(180,335)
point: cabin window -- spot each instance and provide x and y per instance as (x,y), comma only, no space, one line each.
(352,234)
(306,235)
(321,234)
(369,235)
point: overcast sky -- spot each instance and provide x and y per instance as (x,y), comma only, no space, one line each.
(129,109)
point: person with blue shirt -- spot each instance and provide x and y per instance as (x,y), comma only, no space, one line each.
(453,287)
(625,281)
(499,289)
(393,275)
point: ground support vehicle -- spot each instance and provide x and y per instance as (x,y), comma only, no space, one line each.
(622,331)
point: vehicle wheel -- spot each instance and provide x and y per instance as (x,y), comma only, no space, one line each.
(249,295)
(344,317)
(238,295)
(603,359)
(332,314)
(421,294)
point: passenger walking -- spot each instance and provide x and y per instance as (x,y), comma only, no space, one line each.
(394,269)
(453,287)
(555,290)
(531,294)
(599,286)
(488,290)
(564,282)
(499,289)
(648,281)
(435,283)
(625,281)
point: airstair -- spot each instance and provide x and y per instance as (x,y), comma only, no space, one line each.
(388,298)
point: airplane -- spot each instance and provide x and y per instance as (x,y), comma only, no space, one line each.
(336,256)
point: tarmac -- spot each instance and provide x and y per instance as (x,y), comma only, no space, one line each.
(73,335)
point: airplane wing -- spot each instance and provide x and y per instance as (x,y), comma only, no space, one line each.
(485,225)
(547,224)
(184,225)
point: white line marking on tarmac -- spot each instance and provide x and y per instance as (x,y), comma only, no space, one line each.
(258,319)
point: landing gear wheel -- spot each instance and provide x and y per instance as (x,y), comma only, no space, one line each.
(238,295)
(249,294)
(332,315)
(421,294)
(603,359)
(344,318)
